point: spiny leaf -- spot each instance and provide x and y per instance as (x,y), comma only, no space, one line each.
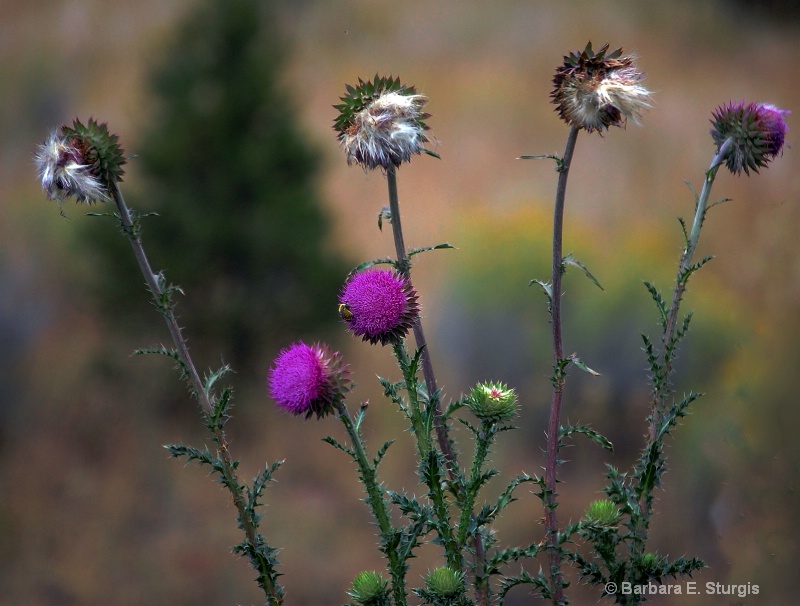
(570,260)
(660,303)
(594,436)
(416,251)
(580,364)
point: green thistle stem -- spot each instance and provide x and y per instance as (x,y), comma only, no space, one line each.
(681,282)
(663,389)
(419,335)
(377,503)
(266,575)
(559,378)
(442,436)
(414,412)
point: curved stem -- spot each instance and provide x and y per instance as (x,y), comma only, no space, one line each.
(273,590)
(559,376)
(662,389)
(680,285)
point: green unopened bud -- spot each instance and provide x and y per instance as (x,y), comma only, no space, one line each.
(603,512)
(370,589)
(445,582)
(650,563)
(493,402)
(444,587)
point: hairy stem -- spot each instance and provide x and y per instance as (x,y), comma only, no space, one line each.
(559,377)
(273,590)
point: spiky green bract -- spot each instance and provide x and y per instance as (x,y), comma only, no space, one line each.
(444,587)
(595,90)
(758,132)
(370,589)
(101,149)
(381,123)
(493,402)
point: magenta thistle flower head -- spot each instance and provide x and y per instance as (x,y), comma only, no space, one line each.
(381,123)
(84,161)
(757,132)
(596,90)
(308,379)
(381,306)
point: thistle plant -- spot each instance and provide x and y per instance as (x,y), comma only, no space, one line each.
(86,162)
(381,125)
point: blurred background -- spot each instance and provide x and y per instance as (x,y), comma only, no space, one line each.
(226,107)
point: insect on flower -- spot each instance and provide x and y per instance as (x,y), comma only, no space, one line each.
(345,312)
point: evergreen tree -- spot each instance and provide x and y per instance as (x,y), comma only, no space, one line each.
(232,179)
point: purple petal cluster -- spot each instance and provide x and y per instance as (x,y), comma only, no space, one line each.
(382,306)
(308,379)
(757,132)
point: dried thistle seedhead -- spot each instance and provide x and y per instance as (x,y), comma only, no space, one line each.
(381,123)
(81,161)
(595,90)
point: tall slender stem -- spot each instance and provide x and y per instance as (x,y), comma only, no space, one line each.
(559,378)
(419,335)
(481,582)
(273,590)
(671,324)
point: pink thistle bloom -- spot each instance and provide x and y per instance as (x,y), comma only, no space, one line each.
(308,379)
(379,306)
(757,132)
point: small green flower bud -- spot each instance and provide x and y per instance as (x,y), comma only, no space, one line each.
(493,402)
(651,563)
(603,512)
(445,582)
(370,589)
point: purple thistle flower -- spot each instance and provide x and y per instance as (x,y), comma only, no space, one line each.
(379,306)
(308,379)
(757,132)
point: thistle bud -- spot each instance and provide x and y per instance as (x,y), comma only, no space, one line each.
(84,161)
(493,402)
(444,587)
(596,90)
(381,123)
(757,132)
(370,589)
(308,379)
(603,512)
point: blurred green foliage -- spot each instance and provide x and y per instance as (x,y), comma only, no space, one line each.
(233,180)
